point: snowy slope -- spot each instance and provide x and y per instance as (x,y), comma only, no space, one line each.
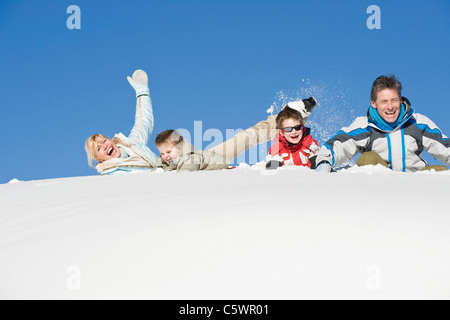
(233,234)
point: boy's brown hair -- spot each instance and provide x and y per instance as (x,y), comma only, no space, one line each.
(288,113)
(169,136)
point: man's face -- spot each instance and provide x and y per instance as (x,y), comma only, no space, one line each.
(294,136)
(388,104)
(168,152)
(105,149)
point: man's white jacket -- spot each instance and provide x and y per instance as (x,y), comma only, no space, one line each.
(401,147)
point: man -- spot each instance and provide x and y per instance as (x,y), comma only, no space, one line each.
(391,135)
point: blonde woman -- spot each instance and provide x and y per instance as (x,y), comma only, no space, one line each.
(125,154)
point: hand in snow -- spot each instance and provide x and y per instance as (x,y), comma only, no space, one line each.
(324,167)
(273,164)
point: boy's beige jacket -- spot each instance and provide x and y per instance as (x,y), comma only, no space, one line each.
(190,160)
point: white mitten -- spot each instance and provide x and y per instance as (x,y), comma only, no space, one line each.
(139,82)
(305,106)
(314,148)
(297,105)
(324,167)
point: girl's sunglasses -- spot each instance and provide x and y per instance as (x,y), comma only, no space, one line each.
(289,129)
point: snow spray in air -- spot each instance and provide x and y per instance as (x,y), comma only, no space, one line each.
(335,106)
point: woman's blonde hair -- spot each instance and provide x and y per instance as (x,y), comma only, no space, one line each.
(89,147)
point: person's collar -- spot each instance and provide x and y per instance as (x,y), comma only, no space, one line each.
(123,153)
(383,124)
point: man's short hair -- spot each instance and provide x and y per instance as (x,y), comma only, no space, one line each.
(288,113)
(385,82)
(169,136)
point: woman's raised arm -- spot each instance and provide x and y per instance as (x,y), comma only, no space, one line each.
(144,121)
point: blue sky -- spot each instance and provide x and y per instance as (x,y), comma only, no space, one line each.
(222,62)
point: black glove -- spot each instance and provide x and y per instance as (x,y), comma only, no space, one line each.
(310,104)
(273,164)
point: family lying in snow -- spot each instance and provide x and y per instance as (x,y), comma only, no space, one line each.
(391,134)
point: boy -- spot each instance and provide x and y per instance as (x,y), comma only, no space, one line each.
(293,144)
(178,154)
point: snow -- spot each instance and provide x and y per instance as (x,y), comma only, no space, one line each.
(246,233)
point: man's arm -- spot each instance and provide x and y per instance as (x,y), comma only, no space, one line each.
(344,145)
(433,140)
